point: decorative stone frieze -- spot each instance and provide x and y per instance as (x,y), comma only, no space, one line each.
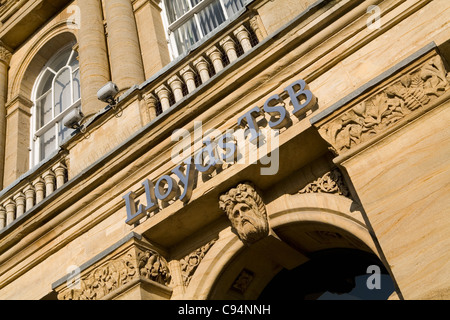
(246,211)
(330,182)
(190,262)
(404,97)
(134,264)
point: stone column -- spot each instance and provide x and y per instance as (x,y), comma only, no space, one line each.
(216,58)
(123,42)
(29,197)
(93,55)
(150,104)
(60,174)
(20,204)
(49,179)
(163,94)
(10,206)
(229,46)
(188,75)
(176,86)
(243,37)
(39,187)
(202,67)
(5,57)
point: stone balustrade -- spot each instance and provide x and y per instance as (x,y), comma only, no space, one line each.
(201,67)
(30,191)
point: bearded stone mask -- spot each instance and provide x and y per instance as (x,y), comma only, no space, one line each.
(246,212)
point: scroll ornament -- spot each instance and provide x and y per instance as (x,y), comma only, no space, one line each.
(330,182)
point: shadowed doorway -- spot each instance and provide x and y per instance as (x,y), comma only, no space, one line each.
(333,274)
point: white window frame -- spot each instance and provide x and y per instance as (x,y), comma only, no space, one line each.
(36,134)
(193,12)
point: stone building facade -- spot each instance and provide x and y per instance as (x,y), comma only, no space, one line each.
(253,149)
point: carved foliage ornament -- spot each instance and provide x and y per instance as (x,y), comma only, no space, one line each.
(411,92)
(246,211)
(330,182)
(190,263)
(5,54)
(116,273)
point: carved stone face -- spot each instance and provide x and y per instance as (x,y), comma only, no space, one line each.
(248,222)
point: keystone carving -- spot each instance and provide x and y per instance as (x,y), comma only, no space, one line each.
(330,182)
(246,211)
(190,263)
(116,273)
(411,92)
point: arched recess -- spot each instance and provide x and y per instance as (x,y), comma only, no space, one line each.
(325,220)
(26,65)
(35,58)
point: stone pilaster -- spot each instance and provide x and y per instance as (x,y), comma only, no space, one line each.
(5,57)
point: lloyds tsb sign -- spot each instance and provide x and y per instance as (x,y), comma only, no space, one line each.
(223,148)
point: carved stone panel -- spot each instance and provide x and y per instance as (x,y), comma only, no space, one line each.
(405,96)
(133,265)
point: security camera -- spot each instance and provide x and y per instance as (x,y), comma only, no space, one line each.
(73,118)
(108,92)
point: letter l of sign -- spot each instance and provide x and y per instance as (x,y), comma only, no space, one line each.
(132,215)
(152,204)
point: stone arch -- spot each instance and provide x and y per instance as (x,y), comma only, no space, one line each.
(327,210)
(37,56)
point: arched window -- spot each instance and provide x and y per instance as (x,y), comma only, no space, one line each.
(55,93)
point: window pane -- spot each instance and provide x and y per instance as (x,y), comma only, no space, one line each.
(47,143)
(211,17)
(61,60)
(233,6)
(63,132)
(175,9)
(45,84)
(74,60)
(62,93)
(76,85)
(186,35)
(44,107)
(195,2)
